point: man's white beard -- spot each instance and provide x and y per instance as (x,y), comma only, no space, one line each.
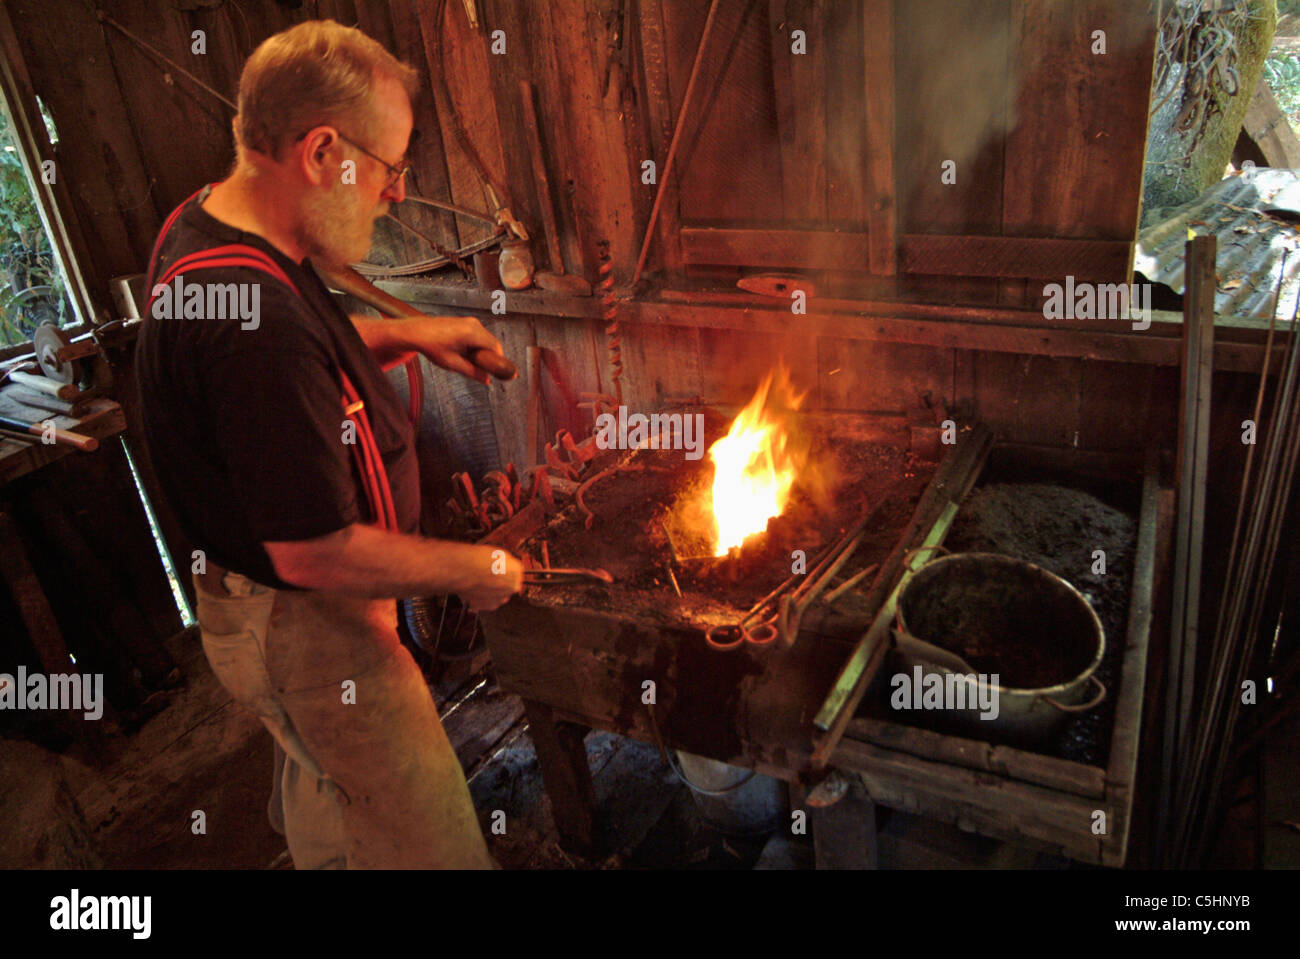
(334,229)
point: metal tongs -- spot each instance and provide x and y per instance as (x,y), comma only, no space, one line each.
(560,577)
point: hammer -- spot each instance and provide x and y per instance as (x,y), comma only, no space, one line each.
(350,281)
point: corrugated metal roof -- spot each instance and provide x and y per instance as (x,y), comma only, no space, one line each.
(1252,219)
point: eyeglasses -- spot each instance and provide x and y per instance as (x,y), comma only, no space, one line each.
(395,173)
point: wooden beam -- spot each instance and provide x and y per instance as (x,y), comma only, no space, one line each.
(882,194)
(1126,739)
(973,800)
(659,105)
(993,329)
(801,249)
(1040,770)
(1103,261)
(1043,258)
(799,88)
(566,776)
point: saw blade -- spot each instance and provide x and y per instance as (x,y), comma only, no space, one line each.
(47,342)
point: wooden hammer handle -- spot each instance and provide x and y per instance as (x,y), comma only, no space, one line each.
(87,444)
(350,281)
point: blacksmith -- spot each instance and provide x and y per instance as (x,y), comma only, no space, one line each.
(288,458)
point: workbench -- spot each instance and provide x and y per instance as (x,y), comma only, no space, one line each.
(102,418)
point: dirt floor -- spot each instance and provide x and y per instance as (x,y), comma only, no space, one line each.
(134,806)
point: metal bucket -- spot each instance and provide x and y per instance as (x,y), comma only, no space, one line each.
(735,801)
(1006,616)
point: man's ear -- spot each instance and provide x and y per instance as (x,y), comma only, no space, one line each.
(312,155)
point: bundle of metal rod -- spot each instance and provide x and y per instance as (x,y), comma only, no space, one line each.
(1193,441)
(1242,610)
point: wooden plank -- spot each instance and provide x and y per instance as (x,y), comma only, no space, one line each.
(103,418)
(1121,771)
(799,83)
(846,147)
(991,329)
(158,104)
(1270,130)
(34,609)
(478,725)
(594,135)
(1030,399)
(974,800)
(856,375)
(1005,256)
(541,180)
(660,362)
(464,62)
(952,125)
(844,834)
(506,73)
(1190,466)
(974,256)
(928,526)
(955,115)
(733,364)
(1047,771)
(1074,156)
(428,152)
(659,106)
(878,93)
(728,156)
(780,249)
(566,775)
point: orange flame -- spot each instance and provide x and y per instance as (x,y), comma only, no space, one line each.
(754,466)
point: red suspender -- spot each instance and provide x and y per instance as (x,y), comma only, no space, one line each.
(365,451)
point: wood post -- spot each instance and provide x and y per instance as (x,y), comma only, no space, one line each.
(566,776)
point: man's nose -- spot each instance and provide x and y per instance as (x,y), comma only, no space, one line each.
(397,192)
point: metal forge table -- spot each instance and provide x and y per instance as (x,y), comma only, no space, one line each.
(788,711)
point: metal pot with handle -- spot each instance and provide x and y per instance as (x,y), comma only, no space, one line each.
(993,615)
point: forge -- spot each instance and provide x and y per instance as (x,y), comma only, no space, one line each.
(775,654)
(656,654)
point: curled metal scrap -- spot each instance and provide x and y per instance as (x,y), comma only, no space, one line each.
(1254,220)
(1202,37)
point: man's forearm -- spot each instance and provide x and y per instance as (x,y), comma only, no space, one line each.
(383,338)
(366,561)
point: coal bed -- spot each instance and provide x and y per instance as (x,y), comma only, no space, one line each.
(648,515)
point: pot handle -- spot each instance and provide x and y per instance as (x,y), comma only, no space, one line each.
(911,555)
(1081,707)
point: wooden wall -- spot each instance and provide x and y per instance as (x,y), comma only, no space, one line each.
(842,146)
(829,161)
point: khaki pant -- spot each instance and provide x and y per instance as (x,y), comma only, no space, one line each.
(369,780)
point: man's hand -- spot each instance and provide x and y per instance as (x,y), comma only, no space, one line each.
(504,578)
(445,340)
(448,341)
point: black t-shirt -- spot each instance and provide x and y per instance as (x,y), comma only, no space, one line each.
(244,423)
